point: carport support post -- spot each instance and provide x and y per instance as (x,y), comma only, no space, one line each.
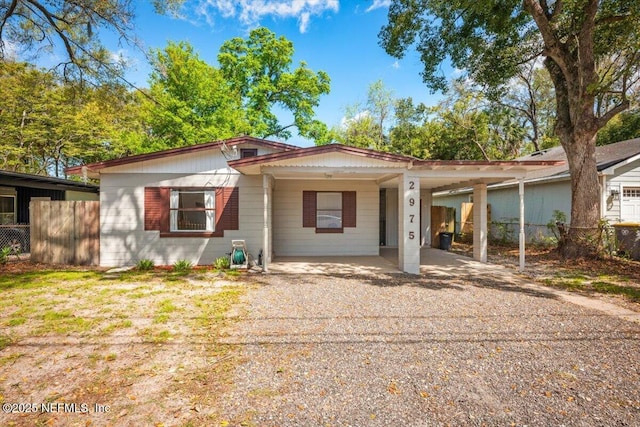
(409,224)
(266,250)
(480,229)
(521,236)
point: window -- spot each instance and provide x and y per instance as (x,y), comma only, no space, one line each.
(7,209)
(632,192)
(328,210)
(248,152)
(192,210)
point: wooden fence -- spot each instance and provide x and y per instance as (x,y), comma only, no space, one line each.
(65,232)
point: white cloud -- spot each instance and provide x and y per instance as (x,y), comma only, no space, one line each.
(396,65)
(251,12)
(378,4)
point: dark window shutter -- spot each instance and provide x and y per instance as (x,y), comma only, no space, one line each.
(227,209)
(309,209)
(156,208)
(348,209)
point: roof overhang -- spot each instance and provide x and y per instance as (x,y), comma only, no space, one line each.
(612,169)
(18,179)
(322,162)
(92,169)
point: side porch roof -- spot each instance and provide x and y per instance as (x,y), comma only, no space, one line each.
(336,161)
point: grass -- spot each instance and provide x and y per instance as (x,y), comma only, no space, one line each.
(603,284)
(5,341)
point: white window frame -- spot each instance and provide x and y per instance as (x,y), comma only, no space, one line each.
(209,209)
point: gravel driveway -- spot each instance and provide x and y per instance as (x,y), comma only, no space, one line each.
(330,350)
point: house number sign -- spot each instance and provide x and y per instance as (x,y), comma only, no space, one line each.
(412,202)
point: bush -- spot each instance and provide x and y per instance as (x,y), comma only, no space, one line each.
(4,255)
(222,263)
(145,264)
(182,266)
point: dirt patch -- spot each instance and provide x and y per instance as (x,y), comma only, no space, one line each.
(614,280)
(85,348)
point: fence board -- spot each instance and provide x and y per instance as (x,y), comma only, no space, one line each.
(65,232)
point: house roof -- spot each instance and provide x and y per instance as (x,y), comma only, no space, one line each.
(606,157)
(321,149)
(19,179)
(77,170)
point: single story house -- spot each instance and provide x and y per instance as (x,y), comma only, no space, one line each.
(190,202)
(17,190)
(549,189)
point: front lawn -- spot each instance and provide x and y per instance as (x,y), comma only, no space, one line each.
(143,346)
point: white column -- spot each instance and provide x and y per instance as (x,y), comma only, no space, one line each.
(427,201)
(409,224)
(266,249)
(521,237)
(480,232)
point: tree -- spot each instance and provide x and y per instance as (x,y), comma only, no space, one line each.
(47,124)
(529,95)
(190,101)
(590,50)
(367,124)
(32,26)
(258,69)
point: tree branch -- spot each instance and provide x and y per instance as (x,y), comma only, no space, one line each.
(604,119)
(50,17)
(10,10)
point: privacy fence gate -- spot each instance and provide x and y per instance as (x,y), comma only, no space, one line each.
(65,232)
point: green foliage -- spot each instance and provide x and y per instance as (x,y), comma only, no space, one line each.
(222,263)
(4,255)
(48,124)
(258,69)
(145,265)
(621,128)
(192,101)
(75,28)
(182,266)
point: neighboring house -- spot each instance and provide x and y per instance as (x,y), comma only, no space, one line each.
(17,190)
(549,189)
(190,202)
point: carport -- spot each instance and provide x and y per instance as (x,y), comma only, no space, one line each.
(289,177)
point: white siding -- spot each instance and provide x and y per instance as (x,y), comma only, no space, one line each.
(195,162)
(123,240)
(336,160)
(291,239)
(626,176)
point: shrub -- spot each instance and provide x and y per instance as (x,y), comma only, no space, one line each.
(145,264)
(222,263)
(182,266)
(4,255)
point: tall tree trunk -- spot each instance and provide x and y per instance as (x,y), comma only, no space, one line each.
(577,126)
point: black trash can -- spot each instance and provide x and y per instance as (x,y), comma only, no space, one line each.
(446,238)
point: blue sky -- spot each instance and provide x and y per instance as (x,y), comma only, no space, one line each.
(338,37)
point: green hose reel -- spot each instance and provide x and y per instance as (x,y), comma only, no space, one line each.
(238,256)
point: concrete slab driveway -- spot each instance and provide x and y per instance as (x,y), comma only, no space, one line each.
(458,349)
